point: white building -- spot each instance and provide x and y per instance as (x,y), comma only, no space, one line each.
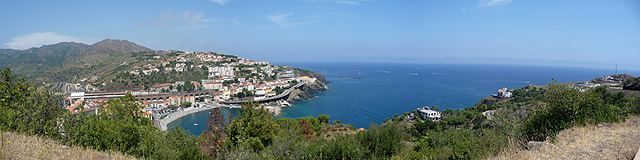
(260,92)
(223,71)
(427,113)
(504,93)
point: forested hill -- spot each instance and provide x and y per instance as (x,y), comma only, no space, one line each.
(32,62)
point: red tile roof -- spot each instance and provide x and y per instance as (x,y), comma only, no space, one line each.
(162,85)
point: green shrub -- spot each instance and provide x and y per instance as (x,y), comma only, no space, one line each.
(340,147)
(253,128)
(323,118)
(26,108)
(567,107)
(382,141)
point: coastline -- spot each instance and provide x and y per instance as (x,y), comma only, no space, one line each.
(304,93)
(179,114)
(163,123)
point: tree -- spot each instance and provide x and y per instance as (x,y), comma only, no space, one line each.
(127,108)
(186,104)
(435,108)
(26,108)
(213,137)
(323,118)
(253,128)
(337,122)
(307,131)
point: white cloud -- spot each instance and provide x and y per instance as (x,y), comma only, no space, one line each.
(349,2)
(38,39)
(281,19)
(192,17)
(491,3)
(220,1)
(171,18)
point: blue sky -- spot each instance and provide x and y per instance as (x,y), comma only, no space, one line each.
(591,33)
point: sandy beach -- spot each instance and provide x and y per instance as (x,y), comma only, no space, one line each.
(173,116)
(275,109)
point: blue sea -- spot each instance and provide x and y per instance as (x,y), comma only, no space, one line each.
(386,89)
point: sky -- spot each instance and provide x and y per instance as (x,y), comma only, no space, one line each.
(586,33)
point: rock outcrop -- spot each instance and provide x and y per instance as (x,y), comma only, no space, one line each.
(308,90)
(487,101)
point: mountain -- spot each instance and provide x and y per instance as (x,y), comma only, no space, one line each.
(31,62)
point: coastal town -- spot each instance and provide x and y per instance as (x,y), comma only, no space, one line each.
(224,80)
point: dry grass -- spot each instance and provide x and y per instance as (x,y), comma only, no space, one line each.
(613,141)
(18,146)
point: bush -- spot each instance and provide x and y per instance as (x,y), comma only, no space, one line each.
(122,128)
(26,108)
(340,147)
(382,141)
(253,129)
(323,118)
(566,108)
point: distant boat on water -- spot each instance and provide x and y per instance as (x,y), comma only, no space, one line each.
(527,82)
(415,74)
(195,124)
(386,71)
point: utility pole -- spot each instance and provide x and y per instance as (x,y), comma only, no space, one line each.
(616,68)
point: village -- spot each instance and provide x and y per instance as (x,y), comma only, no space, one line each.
(229,81)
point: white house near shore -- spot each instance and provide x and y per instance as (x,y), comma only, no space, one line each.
(427,113)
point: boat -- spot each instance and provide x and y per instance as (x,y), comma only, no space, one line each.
(527,82)
(195,124)
(415,74)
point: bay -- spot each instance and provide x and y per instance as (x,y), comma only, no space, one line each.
(365,93)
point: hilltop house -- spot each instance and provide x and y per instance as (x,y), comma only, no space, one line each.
(427,113)
(504,93)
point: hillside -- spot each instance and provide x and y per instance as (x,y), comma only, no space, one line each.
(31,63)
(18,146)
(603,141)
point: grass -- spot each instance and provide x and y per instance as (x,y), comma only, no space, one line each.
(603,141)
(18,146)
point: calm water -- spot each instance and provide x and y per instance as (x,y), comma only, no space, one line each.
(386,89)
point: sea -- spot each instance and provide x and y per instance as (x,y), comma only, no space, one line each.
(364,93)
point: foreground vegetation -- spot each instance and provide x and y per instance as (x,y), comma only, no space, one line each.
(602,141)
(532,115)
(20,146)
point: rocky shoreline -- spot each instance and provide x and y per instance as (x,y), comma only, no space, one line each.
(309,90)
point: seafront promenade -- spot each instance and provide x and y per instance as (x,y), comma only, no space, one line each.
(179,114)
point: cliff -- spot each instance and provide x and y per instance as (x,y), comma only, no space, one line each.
(307,91)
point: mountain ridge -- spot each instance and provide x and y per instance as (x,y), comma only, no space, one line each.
(33,61)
